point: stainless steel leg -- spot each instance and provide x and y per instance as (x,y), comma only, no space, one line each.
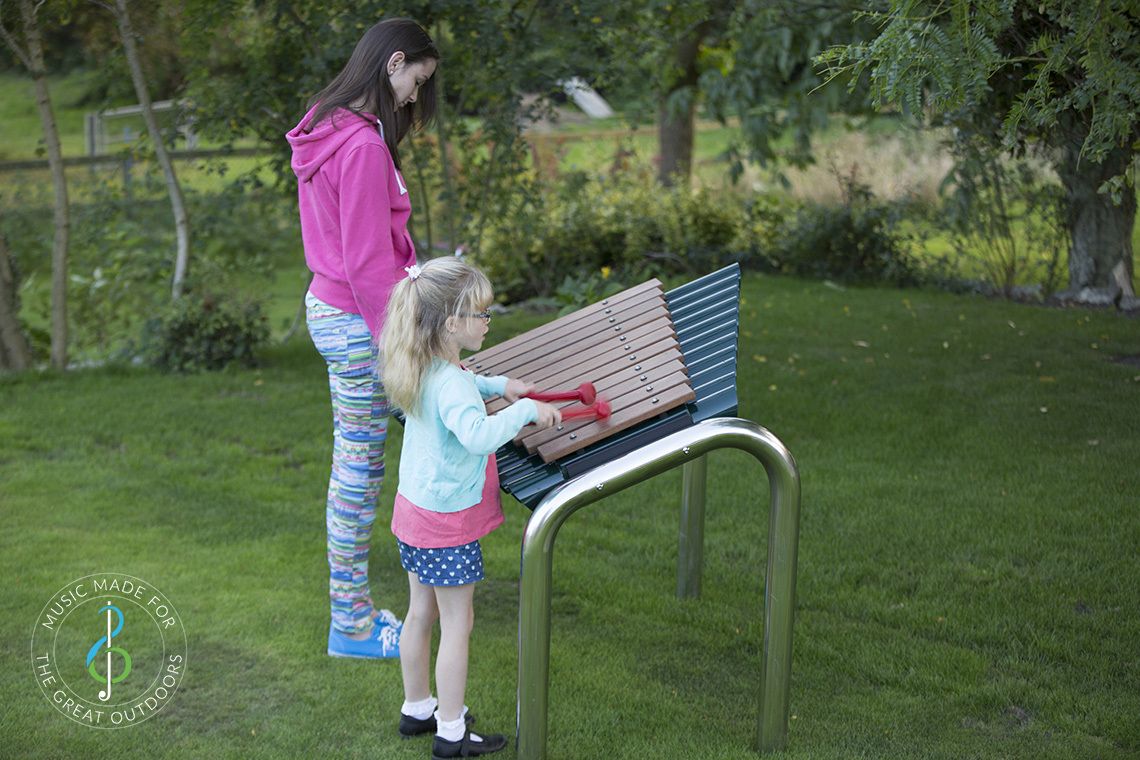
(691,543)
(779,597)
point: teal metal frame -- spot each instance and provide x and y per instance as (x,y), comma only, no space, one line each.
(686,448)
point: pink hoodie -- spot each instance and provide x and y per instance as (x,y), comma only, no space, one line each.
(354,213)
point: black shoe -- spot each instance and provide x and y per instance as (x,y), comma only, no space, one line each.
(410,726)
(442,749)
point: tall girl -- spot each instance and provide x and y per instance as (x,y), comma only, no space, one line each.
(448,497)
(354,224)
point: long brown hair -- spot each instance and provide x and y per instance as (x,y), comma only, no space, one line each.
(365,78)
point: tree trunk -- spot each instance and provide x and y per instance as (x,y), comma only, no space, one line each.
(678,110)
(450,200)
(1100,231)
(14,353)
(173,188)
(61,214)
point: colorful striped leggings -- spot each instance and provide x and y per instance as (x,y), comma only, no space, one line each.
(360,425)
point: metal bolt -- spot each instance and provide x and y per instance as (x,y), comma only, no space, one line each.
(654,401)
(638,368)
(621,338)
(644,377)
(573,436)
(605,302)
(618,328)
(559,427)
(599,486)
(648,388)
(626,348)
(608,311)
(686,449)
(612,319)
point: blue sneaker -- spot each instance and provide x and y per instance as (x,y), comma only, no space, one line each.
(384,643)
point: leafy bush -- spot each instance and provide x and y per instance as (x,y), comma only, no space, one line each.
(205,333)
(1006,216)
(855,242)
(623,223)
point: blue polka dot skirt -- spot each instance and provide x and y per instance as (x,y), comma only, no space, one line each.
(453,566)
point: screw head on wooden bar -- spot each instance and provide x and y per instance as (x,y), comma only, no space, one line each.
(573,436)
(599,486)
(559,427)
(637,367)
(605,302)
(644,377)
(608,311)
(617,329)
(632,358)
(685,450)
(612,319)
(648,388)
(654,401)
(622,338)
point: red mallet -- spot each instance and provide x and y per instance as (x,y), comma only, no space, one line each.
(599,409)
(584,393)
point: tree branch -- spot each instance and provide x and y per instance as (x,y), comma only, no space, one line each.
(19,52)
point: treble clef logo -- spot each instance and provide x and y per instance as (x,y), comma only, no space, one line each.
(105,695)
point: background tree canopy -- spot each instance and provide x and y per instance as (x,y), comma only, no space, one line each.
(1057,77)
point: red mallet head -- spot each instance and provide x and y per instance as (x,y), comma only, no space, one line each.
(602,408)
(586,393)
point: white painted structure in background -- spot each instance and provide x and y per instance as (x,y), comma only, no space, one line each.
(98,135)
(587,98)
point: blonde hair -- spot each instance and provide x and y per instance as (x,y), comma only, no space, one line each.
(416,324)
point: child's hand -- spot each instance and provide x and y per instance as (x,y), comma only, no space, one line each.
(548,416)
(516,389)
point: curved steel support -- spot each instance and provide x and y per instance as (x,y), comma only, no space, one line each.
(674,450)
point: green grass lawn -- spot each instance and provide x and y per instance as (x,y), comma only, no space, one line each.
(967,573)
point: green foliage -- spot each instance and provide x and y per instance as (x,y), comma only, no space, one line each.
(1008,213)
(122,251)
(623,223)
(855,242)
(1048,70)
(205,332)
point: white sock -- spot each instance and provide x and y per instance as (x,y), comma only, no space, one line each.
(452,730)
(421,710)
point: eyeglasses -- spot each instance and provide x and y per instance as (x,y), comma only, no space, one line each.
(484,315)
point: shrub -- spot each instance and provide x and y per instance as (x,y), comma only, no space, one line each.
(855,242)
(205,332)
(623,223)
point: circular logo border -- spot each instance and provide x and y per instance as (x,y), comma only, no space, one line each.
(167,679)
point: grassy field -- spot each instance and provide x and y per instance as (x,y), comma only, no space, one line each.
(967,575)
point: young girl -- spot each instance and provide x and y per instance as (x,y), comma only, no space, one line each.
(448,496)
(354,224)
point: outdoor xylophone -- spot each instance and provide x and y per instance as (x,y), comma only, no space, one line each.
(662,362)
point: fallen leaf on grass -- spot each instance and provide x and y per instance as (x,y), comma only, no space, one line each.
(862,344)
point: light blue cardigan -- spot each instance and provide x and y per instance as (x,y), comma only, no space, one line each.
(446,444)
